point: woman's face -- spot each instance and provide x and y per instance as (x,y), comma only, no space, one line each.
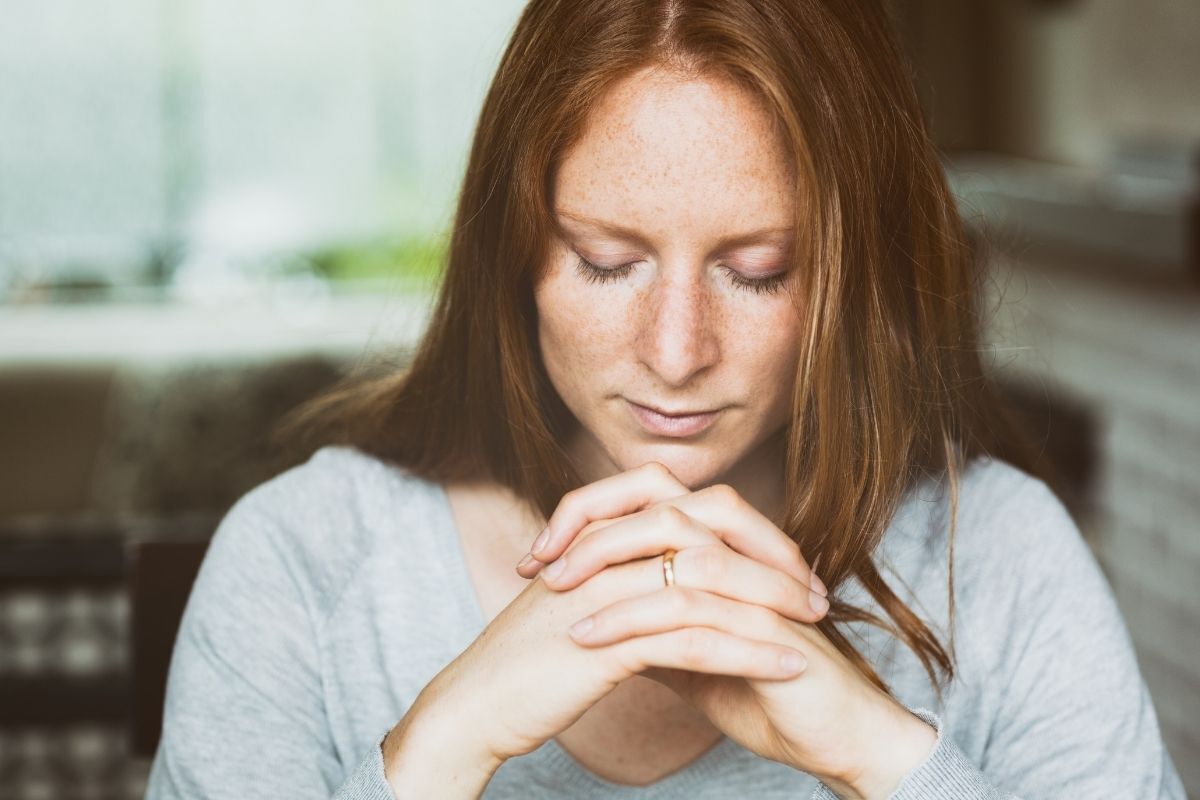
(680,193)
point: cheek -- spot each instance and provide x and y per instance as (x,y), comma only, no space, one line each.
(771,361)
(577,332)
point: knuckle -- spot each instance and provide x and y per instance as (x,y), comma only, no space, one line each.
(592,527)
(680,602)
(709,562)
(669,516)
(785,592)
(725,494)
(658,469)
(571,499)
(628,658)
(764,619)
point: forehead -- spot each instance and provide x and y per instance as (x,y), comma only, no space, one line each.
(666,152)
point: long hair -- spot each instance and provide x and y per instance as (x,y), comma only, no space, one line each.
(890,387)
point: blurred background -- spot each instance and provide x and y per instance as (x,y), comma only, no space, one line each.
(212,210)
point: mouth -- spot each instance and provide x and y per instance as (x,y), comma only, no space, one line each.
(674,424)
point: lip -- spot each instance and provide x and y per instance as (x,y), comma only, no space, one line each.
(675,425)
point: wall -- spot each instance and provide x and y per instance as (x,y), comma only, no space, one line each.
(1113,322)
(1132,357)
(1066,81)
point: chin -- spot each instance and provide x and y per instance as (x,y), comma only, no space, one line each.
(695,465)
(606,449)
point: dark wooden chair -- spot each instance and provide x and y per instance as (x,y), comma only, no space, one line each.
(159,577)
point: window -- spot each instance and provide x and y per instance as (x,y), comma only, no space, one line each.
(203,148)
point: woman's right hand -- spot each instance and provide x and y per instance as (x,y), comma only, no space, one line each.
(524,680)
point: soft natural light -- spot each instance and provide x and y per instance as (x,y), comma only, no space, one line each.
(195,149)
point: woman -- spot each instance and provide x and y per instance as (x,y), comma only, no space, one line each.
(708,320)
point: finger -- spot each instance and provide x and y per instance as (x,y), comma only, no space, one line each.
(736,522)
(747,530)
(645,534)
(677,607)
(711,651)
(606,498)
(702,561)
(717,569)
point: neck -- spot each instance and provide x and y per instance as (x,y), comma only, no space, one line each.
(759,479)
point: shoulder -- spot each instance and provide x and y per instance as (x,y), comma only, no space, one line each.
(1016,553)
(1006,513)
(335,482)
(999,508)
(1011,536)
(315,524)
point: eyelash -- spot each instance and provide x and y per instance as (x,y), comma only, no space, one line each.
(595,274)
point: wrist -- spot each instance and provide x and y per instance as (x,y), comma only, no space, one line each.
(910,742)
(423,757)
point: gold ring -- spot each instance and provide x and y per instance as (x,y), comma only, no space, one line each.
(669,568)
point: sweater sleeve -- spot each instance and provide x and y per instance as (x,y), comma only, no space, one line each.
(1073,716)
(244,714)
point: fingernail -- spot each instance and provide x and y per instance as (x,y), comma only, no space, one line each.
(819,585)
(580,629)
(540,541)
(791,662)
(525,562)
(555,568)
(819,604)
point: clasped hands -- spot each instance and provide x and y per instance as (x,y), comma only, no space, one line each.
(744,600)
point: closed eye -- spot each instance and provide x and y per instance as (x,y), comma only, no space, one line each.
(593,273)
(770,284)
(597,274)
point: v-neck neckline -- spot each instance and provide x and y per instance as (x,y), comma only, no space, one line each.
(695,773)
(455,564)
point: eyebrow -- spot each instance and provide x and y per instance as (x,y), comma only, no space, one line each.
(763,235)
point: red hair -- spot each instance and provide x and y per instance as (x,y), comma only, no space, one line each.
(890,385)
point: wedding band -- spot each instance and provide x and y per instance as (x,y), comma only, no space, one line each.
(669,568)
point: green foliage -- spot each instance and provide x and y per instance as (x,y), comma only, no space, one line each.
(414,258)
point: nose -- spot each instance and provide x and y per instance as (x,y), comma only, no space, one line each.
(677,335)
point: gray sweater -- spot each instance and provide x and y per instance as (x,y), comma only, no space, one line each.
(332,594)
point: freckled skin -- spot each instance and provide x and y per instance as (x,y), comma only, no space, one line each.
(684,162)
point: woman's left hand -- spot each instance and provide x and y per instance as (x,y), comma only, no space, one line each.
(828,721)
